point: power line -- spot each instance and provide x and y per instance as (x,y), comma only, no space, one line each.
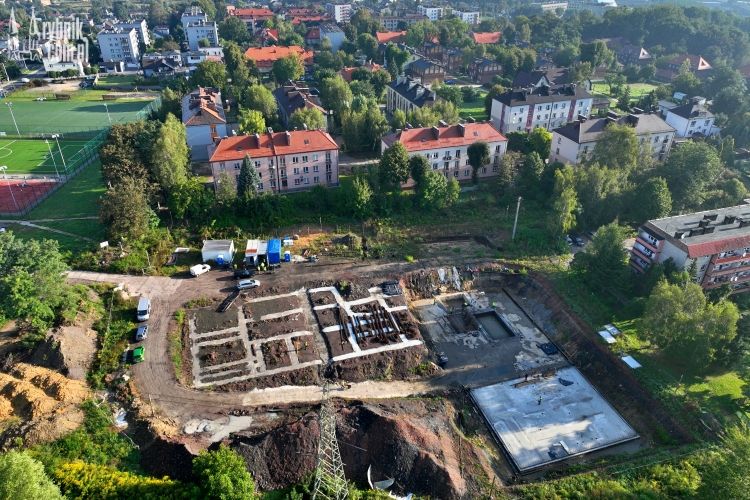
(330,482)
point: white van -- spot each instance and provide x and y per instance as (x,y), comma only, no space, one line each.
(144,309)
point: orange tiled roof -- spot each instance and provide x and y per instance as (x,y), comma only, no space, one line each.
(272,144)
(256,13)
(346,73)
(310,19)
(485,38)
(390,36)
(266,56)
(420,139)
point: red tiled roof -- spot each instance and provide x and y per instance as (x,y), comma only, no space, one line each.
(485,38)
(256,13)
(309,19)
(272,144)
(266,56)
(390,36)
(346,73)
(313,34)
(420,139)
(711,247)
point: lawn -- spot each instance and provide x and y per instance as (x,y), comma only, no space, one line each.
(38,117)
(115,80)
(637,90)
(474,109)
(78,198)
(67,243)
(32,156)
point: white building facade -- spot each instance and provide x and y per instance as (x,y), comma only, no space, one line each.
(200,30)
(549,107)
(119,45)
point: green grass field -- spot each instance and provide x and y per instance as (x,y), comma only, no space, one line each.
(43,117)
(637,90)
(78,198)
(473,109)
(32,156)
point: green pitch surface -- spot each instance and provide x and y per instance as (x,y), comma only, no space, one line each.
(50,117)
(27,156)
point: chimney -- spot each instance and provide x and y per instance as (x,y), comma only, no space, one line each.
(288,137)
(462,129)
(442,123)
(436,132)
(304,126)
(269,130)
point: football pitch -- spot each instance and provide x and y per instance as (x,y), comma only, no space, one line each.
(35,156)
(50,117)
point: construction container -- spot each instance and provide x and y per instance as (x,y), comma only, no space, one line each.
(274,251)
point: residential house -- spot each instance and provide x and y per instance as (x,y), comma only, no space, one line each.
(698,65)
(339,12)
(294,96)
(161,31)
(445,148)
(254,18)
(628,53)
(523,109)
(285,161)
(692,119)
(328,31)
(484,70)
(426,71)
(716,243)
(432,13)
(119,45)
(204,120)
(394,23)
(166,63)
(386,37)
(264,57)
(453,60)
(553,7)
(314,20)
(194,14)
(407,95)
(487,38)
(346,73)
(201,30)
(195,57)
(268,36)
(141,29)
(574,142)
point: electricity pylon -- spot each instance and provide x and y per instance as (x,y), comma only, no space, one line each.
(330,482)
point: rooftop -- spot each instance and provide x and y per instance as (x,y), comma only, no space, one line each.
(296,95)
(257,13)
(706,233)
(692,110)
(413,91)
(487,38)
(583,131)
(267,55)
(203,107)
(547,420)
(390,36)
(465,134)
(543,94)
(272,144)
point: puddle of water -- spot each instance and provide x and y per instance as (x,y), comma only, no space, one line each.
(491,323)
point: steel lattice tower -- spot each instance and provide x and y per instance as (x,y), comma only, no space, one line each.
(330,482)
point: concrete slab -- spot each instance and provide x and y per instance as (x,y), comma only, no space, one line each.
(544,420)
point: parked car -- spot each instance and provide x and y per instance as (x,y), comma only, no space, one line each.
(143,312)
(579,242)
(243,273)
(199,269)
(247,284)
(568,240)
(442,359)
(141,333)
(139,354)
(24,80)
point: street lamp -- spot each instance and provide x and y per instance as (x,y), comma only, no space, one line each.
(10,107)
(4,170)
(65,166)
(54,162)
(108,117)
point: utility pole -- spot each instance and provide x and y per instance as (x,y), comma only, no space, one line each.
(330,482)
(10,107)
(515,222)
(4,170)
(54,162)
(56,137)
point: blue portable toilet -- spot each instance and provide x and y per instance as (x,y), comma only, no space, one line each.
(274,251)
(287,256)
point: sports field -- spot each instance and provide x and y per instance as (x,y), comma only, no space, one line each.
(37,156)
(44,117)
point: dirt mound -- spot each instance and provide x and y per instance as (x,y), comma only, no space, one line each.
(413,441)
(70,349)
(27,400)
(52,383)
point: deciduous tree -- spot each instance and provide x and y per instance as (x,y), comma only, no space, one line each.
(252,122)
(23,478)
(479,155)
(313,118)
(171,156)
(288,68)
(125,210)
(222,475)
(616,147)
(394,167)
(261,99)
(210,74)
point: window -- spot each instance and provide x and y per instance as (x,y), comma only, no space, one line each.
(446,165)
(495,168)
(304,159)
(305,170)
(455,173)
(316,179)
(260,174)
(455,163)
(236,166)
(297,181)
(257,164)
(484,170)
(283,173)
(557,151)
(260,186)
(547,108)
(315,168)
(559,140)
(458,153)
(295,159)
(466,173)
(434,155)
(497,149)
(315,157)
(692,123)
(307,180)
(434,166)
(296,171)
(273,183)
(329,177)
(538,117)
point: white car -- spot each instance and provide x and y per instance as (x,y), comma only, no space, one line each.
(199,269)
(247,284)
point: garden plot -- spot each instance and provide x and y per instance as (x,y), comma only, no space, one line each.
(268,338)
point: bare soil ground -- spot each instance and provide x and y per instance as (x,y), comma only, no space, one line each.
(305,376)
(227,352)
(208,320)
(277,326)
(393,365)
(305,348)
(257,309)
(322,298)
(327,317)
(218,336)
(337,345)
(276,354)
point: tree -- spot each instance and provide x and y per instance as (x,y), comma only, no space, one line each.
(727,468)
(368,45)
(690,169)
(597,53)
(128,151)
(604,262)
(23,478)
(564,202)
(418,168)
(361,198)
(566,56)
(210,74)
(312,118)
(446,111)
(394,167)
(261,99)
(531,173)
(226,191)
(398,120)
(678,318)
(450,93)
(190,200)
(125,210)
(222,474)
(432,190)
(363,88)
(598,191)
(233,28)
(171,156)
(540,140)
(651,201)
(252,122)
(479,156)
(288,68)
(247,181)
(335,94)
(686,81)
(395,57)
(617,147)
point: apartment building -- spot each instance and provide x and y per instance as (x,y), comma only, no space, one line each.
(715,243)
(574,142)
(550,107)
(294,96)
(445,148)
(141,29)
(335,36)
(119,45)
(394,23)
(692,119)
(432,13)
(194,14)
(426,71)
(255,19)
(484,70)
(407,95)
(264,57)
(204,120)
(339,12)
(467,17)
(285,161)
(200,30)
